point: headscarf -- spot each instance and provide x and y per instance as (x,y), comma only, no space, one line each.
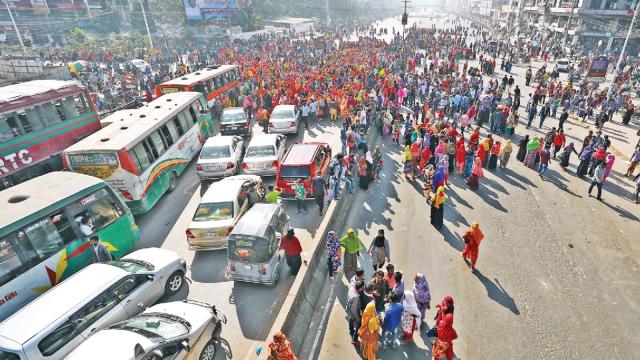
(477,167)
(282,346)
(352,244)
(507,148)
(486,144)
(534,144)
(439,197)
(476,232)
(369,320)
(421,289)
(407,153)
(409,304)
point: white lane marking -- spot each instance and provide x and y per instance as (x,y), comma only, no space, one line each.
(327,306)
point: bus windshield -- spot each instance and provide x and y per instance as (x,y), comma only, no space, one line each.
(214,211)
(250,249)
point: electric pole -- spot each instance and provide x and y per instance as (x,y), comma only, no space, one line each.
(626,39)
(15,26)
(566,27)
(146,24)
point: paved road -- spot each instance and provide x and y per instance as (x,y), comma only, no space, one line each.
(557,274)
(250,308)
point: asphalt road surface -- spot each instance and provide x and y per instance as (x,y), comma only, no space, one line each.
(250,308)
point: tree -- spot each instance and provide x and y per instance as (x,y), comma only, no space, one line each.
(77,36)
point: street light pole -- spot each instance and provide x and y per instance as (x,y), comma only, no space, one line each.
(15,26)
(566,28)
(626,39)
(146,24)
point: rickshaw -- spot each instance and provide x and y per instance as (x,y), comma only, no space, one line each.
(253,247)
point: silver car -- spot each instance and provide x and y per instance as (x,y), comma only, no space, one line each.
(284,120)
(180,330)
(263,155)
(220,156)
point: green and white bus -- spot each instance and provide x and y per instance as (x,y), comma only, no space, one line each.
(44,226)
(142,154)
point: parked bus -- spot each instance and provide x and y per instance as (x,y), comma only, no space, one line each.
(142,155)
(211,81)
(44,228)
(39,119)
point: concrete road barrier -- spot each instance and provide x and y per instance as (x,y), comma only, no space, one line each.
(300,304)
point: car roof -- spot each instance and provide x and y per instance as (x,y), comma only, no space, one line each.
(219,140)
(284,107)
(256,220)
(233,110)
(110,344)
(263,139)
(301,154)
(222,191)
(45,310)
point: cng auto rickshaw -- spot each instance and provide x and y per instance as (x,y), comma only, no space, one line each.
(253,247)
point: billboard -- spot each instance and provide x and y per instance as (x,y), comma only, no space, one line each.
(211,9)
(598,68)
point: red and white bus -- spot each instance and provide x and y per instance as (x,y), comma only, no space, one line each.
(39,119)
(211,81)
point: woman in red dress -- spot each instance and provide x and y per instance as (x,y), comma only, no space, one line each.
(443,345)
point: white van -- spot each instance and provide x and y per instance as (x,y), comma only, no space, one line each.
(96,297)
(563,65)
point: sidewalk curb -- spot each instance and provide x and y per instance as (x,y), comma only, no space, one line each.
(297,310)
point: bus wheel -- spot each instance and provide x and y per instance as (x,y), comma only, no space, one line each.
(173,182)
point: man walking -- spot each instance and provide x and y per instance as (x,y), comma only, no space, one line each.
(300,194)
(559,141)
(544,112)
(319,188)
(99,251)
(392,319)
(354,314)
(533,110)
(597,180)
(563,117)
(305,115)
(292,250)
(545,154)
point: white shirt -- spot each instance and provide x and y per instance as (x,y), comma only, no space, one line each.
(305,110)
(86,230)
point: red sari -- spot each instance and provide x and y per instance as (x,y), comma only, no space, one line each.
(472,239)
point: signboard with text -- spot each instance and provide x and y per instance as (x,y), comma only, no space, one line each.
(216,10)
(598,68)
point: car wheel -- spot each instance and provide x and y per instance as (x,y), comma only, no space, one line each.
(173,181)
(209,350)
(262,192)
(174,283)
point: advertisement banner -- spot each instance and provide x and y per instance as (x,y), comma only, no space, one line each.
(211,9)
(598,68)
(40,6)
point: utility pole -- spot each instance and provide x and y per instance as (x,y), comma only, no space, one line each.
(566,27)
(626,39)
(15,26)
(326,9)
(146,24)
(405,21)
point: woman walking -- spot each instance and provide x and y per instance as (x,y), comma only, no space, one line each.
(472,239)
(473,181)
(429,172)
(585,159)
(380,251)
(493,158)
(369,332)
(280,348)
(411,317)
(363,175)
(460,155)
(352,246)
(522,148)
(443,345)
(505,154)
(333,253)
(532,152)
(437,210)
(422,293)
(565,155)
(468,162)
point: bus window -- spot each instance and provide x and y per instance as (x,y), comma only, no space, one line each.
(143,155)
(69,107)
(236,73)
(199,88)
(49,113)
(184,120)
(57,104)
(222,81)
(44,238)
(155,140)
(81,103)
(192,112)
(9,128)
(30,120)
(61,222)
(178,125)
(10,263)
(101,206)
(216,82)
(166,134)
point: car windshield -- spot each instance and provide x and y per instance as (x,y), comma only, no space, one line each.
(258,151)
(250,249)
(214,211)
(215,152)
(294,172)
(282,114)
(156,327)
(5,355)
(232,117)
(130,265)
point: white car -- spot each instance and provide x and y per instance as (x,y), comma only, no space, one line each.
(563,65)
(220,156)
(180,330)
(264,153)
(284,120)
(140,64)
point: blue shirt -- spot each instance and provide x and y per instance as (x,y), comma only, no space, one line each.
(393,316)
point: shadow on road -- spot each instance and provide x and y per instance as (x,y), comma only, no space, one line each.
(223,349)
(209,266)
(497,293)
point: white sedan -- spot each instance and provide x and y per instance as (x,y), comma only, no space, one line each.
(179,330)
(220,156)
(264,153)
